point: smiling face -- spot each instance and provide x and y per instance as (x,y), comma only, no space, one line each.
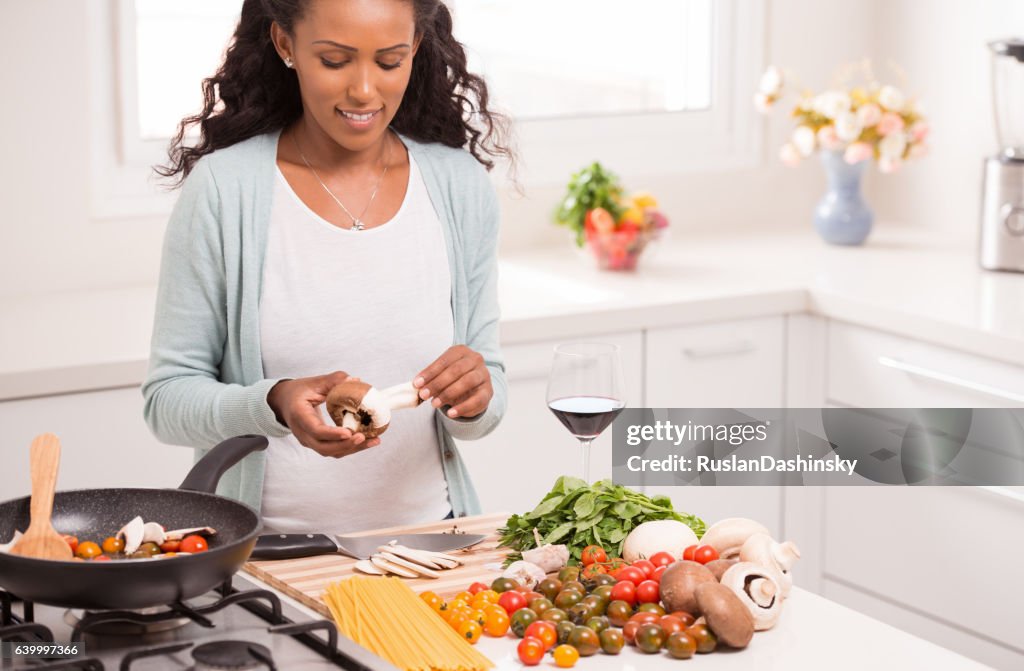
(353,59)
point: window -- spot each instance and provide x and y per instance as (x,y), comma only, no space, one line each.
(655,86)
(590,57)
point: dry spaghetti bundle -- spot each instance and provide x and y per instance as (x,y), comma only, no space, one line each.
(386,617)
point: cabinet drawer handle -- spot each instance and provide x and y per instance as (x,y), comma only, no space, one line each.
(740,347)
(951,380)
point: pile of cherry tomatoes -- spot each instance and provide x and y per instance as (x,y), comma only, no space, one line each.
(603,605)
(113,548)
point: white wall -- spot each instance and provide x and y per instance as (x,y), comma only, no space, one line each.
(48,243)
(941,44)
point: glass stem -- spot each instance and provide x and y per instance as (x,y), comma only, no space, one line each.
(585,444)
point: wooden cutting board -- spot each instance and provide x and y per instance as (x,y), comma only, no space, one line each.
(306,579)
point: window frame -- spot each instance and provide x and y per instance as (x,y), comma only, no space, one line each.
(727,136)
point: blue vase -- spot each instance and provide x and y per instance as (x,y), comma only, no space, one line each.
(842,217)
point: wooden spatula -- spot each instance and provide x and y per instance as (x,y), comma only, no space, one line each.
(41,540)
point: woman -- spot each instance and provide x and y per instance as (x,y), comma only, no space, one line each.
(330,220)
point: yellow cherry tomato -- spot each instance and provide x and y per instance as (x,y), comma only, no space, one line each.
(112,545)
(88,550)
(566,656)
(496,622)
(432,600)
(470,631)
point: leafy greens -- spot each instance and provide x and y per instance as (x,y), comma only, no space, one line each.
(577,515)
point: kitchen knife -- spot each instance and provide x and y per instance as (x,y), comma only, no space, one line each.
(291,546)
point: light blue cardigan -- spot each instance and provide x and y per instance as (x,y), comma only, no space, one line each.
(205,380)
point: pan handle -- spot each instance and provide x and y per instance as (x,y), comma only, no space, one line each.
(206,472)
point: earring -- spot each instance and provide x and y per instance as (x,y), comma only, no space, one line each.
(288,62)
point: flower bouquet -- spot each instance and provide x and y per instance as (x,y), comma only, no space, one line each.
(868,121)
(614,227)
(849,125)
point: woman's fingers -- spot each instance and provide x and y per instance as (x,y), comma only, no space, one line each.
(472,404)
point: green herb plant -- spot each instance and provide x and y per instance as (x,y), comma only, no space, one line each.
(591,187)
(577,515)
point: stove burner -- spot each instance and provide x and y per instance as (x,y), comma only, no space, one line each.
(135,622)
(231,655)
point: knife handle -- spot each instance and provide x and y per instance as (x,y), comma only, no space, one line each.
(292,546)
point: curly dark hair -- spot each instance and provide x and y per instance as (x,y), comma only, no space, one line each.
(253,92)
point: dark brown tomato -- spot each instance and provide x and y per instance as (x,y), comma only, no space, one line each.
(650,637)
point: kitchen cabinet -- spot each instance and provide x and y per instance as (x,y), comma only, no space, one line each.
(104,442)
(873,369)
(934,561)
(736,364)
(514,466)
(732,364)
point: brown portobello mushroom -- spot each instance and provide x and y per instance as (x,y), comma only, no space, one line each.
(719,566)
(725,614)
(679,584)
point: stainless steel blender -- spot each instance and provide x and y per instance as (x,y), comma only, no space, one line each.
(1002,212)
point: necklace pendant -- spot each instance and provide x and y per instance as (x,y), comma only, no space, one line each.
(357,225)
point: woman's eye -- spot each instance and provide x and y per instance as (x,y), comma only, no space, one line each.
(390,66)
(332,64)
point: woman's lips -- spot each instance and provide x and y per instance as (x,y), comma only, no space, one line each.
(359,120)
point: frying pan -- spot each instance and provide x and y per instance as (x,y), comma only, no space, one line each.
(94,514)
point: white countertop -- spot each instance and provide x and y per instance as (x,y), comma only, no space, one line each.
(812,634)
(903,281)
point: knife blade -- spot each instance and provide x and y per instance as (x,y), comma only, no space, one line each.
(293,546)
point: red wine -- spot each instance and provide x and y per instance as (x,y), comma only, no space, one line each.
(586,416)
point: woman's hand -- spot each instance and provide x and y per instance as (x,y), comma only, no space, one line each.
(295,403)
(458,378)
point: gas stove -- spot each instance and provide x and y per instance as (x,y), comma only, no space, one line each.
(236,626)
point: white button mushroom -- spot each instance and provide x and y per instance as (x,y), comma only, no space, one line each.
(763,550)
(727,536)
(758,589)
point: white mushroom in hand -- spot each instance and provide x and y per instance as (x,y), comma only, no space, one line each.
(729,535)
(364,409)
(763,550)
(758,589)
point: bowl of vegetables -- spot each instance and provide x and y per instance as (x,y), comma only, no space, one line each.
(614,228)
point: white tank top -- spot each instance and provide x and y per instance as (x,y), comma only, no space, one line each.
(377,305)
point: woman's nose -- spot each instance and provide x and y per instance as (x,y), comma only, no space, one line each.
(361,88)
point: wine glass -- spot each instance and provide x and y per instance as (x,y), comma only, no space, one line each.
(585,391)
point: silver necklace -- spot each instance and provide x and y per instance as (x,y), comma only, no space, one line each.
(357,222)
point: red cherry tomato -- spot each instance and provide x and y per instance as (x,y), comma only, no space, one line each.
(631,574)
(593,554)
(193,544)
(662,559)
(647,592)
(477,587)
(512,601)
(101,558)
(688,553)
(170,546)
(658,572)
(704,554)
(543,631)
(646,566)
(623,591)
(594,570)
(72,542)
(531,651)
